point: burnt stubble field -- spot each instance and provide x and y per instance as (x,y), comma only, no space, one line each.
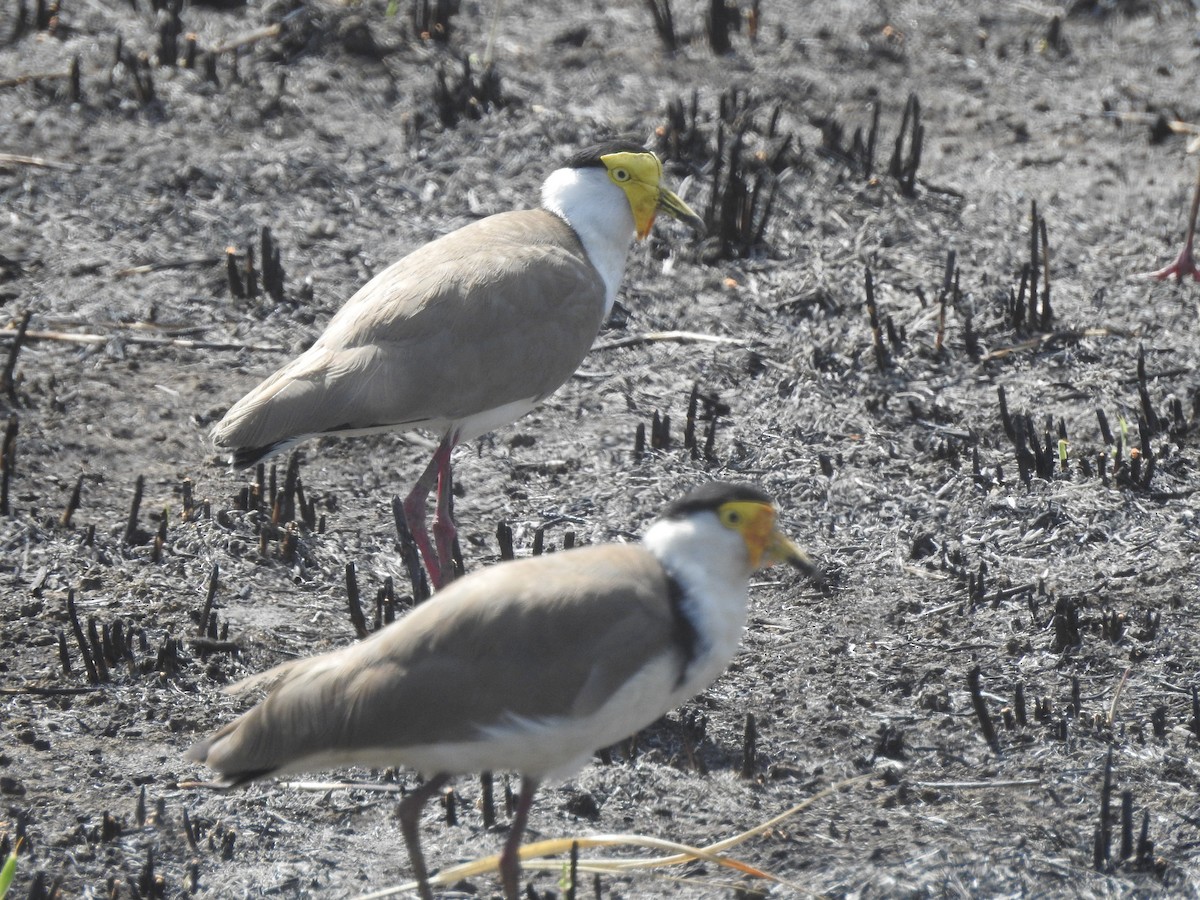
(917,320)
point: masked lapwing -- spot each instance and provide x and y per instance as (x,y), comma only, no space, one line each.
(526,666)
(468,332)
(1185,262)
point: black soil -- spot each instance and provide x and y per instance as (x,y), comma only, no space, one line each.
(1001,488)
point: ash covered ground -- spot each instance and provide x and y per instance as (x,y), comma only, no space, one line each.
(1050,544)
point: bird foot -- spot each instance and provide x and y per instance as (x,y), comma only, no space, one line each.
(409,812)
(1185,264)
(510,856)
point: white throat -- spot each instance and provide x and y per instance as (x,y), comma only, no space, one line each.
(599,213)
(712,565)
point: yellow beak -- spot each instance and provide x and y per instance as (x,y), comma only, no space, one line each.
(640,176)
(780,548)
(673,206)
(766,543)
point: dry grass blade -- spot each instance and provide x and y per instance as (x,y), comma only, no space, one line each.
(68,337)
(680,853)
(1175,126)
(1112,708)
(32,77)
(1064,335)
(532,854)
(680,337)
(251,37)
(323,787)
(975,785)
(532,858)
(9,160)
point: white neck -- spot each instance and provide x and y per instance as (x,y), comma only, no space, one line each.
(712,565)
(599,213)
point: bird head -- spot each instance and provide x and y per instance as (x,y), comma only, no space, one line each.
(639,174)
(751,514)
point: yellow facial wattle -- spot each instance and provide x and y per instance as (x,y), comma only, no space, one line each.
(638,175)
(765,543)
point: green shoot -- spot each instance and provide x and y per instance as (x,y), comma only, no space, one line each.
(9,872)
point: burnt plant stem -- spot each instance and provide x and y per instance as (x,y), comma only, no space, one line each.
(237,290)
(131,526)
(660,431)
(981,711)
(881,354)
(1126,825)
(750,747)
(97,646)
(72,503)
(250,273)
(1152,420)
(1103,852)
(1017,302)
(210,597)
(1145,847)
(1047,313)
(720,19)
(1034,264)
(284,502)
(356,613)
(272,267)
(408,553)
(8,462)
(689,428)
(904,167)
(457,565)
(1105,430)
(1195,723)
(64,655)
(8,379)
(572,872)
(84,650)
(487,799)
(664,23)
(504,537)
(872,139)
(1146,452)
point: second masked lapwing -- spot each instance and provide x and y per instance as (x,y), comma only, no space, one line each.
(528,666)
(468,332)
(1185,262)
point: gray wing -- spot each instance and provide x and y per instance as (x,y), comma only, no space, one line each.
(545,637)
(499,311)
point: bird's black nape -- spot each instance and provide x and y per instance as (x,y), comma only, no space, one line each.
(589,157)
(709,496)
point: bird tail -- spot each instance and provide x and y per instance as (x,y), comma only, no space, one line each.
(246,457)
(263,680)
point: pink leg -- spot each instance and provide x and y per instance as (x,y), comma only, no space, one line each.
(437,472)
(1185,263)
(410,827)
(444,531)
(510,862)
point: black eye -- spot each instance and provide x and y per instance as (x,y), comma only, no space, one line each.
(733,517)
(621,174)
